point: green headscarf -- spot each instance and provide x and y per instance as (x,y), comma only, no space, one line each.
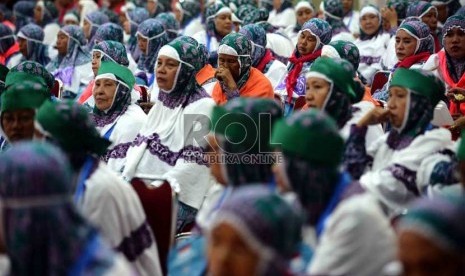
(24,95)
(237,44)
(71,125)
(30,70)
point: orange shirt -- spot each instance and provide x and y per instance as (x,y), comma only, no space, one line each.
(205,74)
(257,86)
(367,97)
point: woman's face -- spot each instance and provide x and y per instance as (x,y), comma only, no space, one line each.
(277,4)
(127,27)
(151,7)
(316,91)
(23,46)
(96,59)
(303,15)
(142,42)
(229,254)
(306,43)
(38,15)
(347,5)
(166,72)
(442,12)
(223,24)
(431,19)
(231,63)
(18,125)
(369,23)
(71,22)
(62,43)
(86,27)
(104,93)
(420,256)
(405,45)
(454,43)
(397,105)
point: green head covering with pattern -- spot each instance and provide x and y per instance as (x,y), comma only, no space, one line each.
(342,49)
(71,125)
(26,94)
(28,69)
(420,82)
(237,44)
(310,135)
(121,72)
(246,124)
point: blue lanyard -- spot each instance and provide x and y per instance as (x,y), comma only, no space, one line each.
(85,173)
(208,42)
(86,257)
(109,132)
(344,182)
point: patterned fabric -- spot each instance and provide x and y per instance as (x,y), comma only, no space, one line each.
(400,6)
(49,12)
(440,220)
(113,51)
(135,17)
(264,220)
(36,50)
(35,69)
(39,216)
(334,14)
(190,10)
(210,14)
(421,32)
(242,137)
(455,67)
(345,50)
(419,9)
(370,9)
(64,66)
(7,40)
(186,89)
(66,120)
(109,31)
(122,97)
(95,19)
(24,13)
(202,51)
(243,48)
(356,159)
(257,36)
(26,94)
(170,24)
(250,14)
(153,30)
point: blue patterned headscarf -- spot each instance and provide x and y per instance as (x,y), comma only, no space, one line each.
(75,56)
(24,13)
(153,31)
(43,231)
(419,9)
(95,19)
(421,32)
(49,12)
(320,29)
(109,31)
(7,38)
(112,51)
(36,50)
(135,17)
(170,24)
(257,35)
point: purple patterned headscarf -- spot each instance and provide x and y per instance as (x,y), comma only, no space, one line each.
(421,32)
(36,50)
(455,67)
(95,19)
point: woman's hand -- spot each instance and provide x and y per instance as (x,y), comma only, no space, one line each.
(456,94)
(389,15)
(376,116)
(224,76)
(458,125)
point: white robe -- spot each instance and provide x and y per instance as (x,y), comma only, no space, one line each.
(114,208)
(283,19)
(371,52)
(352,22)
(201,38)
(193,27)
(280,44)
(276,73)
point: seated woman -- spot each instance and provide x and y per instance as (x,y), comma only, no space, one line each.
(428,14)
(55,239)
(19,104)
(133,19)
(189,17)
(263,225)
(304,11)
(431,237)
(262,58)
(414,46)
(109,31)
(314,34)
(235,74)
(116,118)
(282,15)
(73,65)
(10,55)
(46,16)
(333,12)
(91,23)
(331,87)
(372,42)
(351,17)
(388,169)
(164,147)
(170,24)
(335,225)
(218,25)
(30,39)
(104,198)
(151,36)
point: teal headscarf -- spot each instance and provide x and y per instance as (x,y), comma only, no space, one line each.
(237,44)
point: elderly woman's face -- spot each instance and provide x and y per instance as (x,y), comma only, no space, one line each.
(166,72)
(405,45)
(454,43)
(223,24)
(96,59)
(420,256)
(369,23)
(62,43)
(104,93)
(142,42)
(18,125)
(38,14)
(229,254)
(231,63)
(306,43)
